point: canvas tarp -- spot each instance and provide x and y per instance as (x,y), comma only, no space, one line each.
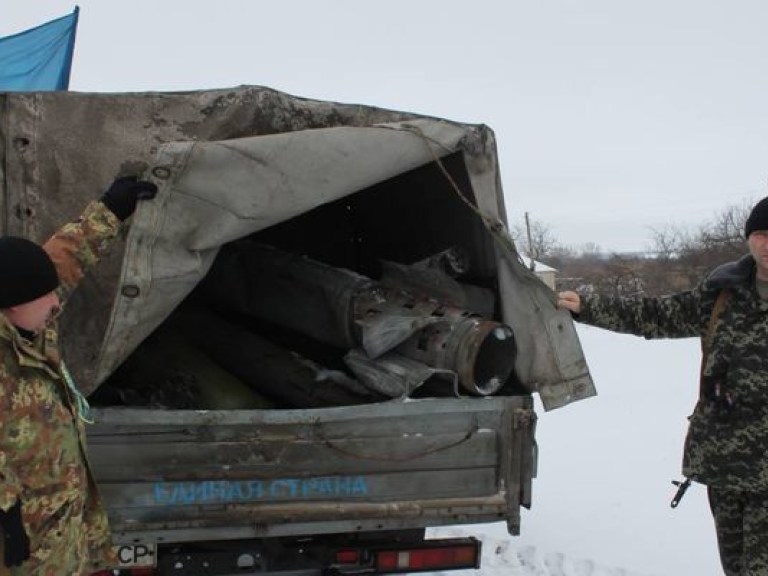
(229,163)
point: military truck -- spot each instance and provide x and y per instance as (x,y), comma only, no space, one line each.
(315,343)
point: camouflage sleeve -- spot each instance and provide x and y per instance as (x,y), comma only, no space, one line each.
(675,316)
(77,246)
(10,485)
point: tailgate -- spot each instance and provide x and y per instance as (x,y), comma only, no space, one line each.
(173,476)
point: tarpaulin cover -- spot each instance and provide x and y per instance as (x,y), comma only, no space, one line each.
(229,163)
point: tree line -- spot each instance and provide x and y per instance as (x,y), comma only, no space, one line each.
(677,260)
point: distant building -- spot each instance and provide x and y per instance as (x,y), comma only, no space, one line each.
(546,273)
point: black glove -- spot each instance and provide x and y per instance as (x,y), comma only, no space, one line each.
(123,194)
(15,539)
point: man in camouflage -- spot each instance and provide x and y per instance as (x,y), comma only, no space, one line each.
(51,517)
(726,447)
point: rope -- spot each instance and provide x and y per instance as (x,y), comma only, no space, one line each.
(495,227)
(81,404)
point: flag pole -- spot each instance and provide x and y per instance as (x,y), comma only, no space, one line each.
(67,69)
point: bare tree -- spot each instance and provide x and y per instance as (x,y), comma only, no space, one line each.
(681,257)
(591,249)
(725,234)
(537,239)
(668,242)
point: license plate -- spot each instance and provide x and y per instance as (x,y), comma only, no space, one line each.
(136,555)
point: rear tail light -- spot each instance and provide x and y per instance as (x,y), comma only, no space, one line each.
(347,557)
(427,558)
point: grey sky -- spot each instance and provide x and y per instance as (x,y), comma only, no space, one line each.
(612,116)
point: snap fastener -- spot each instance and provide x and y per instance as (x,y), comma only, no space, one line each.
(130,291)
(161,172)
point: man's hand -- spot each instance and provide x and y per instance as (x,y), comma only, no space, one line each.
(125,192)
(15,539)
(569,301)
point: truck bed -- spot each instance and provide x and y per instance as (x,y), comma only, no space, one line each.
(179,476)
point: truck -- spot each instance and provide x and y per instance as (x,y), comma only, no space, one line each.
(373,311)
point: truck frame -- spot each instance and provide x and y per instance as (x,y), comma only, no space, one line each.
(329,490)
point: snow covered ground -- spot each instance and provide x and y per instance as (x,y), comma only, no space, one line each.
(503,556)
(601,499)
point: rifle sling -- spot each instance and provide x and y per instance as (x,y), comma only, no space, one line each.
(706,341)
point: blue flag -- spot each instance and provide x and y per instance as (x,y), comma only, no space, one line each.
(39,58)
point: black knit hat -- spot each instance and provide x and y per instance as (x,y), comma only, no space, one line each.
(758,218)
(26,272)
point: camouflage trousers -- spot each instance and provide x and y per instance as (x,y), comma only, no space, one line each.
(741,521)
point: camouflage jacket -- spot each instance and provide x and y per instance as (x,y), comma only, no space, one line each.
(727,440)
(42,440)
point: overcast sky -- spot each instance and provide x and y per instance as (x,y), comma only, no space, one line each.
(612,116)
